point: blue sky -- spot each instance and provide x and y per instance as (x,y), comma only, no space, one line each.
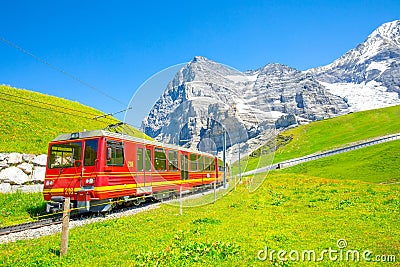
(115,46)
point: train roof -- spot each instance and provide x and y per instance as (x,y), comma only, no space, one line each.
(101,133)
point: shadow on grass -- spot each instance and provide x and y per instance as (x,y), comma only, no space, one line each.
(55,251)
(38,210)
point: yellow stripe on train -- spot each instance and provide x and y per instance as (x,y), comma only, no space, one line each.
(111,188)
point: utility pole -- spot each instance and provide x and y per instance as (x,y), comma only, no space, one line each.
(215,191)
(65,228)
(180,200)
(224,156)
(240,171)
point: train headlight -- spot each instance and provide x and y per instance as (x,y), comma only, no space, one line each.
(74,135)
(89,181)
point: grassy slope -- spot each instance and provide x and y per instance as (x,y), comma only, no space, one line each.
(20,207)
(379,163)
(333,133)
(289,211)
(28,129)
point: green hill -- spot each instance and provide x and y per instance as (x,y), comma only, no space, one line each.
(328,134)
(378,163)
(29,120)
(309,207)
(288,212)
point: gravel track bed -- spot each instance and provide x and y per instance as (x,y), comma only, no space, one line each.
(53,229)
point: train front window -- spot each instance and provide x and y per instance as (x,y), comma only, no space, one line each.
(65,155)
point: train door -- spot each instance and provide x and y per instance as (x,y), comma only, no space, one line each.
(149,166)
(184,166)
(143,175)
(90,161)
(140,163)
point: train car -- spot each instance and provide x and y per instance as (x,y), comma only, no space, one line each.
(96,169)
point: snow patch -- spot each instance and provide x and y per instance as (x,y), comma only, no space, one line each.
(364,96)
(253,77)
(238,78)
(381,66)
(276,114)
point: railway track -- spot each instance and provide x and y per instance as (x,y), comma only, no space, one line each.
(75,217)
(4,231)
(55,220)
(28,226)
(315,156)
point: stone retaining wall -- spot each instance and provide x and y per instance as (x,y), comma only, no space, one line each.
(23,172)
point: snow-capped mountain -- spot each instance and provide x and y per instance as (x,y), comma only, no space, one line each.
(205,97)
(368,76)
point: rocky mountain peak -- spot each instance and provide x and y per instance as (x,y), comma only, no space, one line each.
(205,96)
(277,68)
(374,62)
(390,32)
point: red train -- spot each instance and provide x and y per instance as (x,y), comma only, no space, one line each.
(99,168)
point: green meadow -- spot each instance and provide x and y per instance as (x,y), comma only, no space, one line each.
(288,212)
(348,203)
(377,164)
(30,120)
(291,211)
(327,134)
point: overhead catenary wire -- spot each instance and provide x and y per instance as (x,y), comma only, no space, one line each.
(111,114)
(45,108)
(68,75)
(62,109)
(49,104)
(59,70)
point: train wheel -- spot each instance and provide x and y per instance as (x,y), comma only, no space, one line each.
(136,202)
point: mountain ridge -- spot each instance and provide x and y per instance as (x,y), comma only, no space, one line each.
(206,96)
(377,58)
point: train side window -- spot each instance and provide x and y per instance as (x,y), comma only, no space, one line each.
(90,152)
(139,158)
(172,160)
(160,159)
(212,164)
(208,163)
(115,153)
(193,162)
(148,160)
(201,163)
(220,165)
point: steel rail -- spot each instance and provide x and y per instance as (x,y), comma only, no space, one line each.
(79,216)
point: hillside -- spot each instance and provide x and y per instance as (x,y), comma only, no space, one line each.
(377,163)
(294,209)
(30,119)
(289,211)
(328,134)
